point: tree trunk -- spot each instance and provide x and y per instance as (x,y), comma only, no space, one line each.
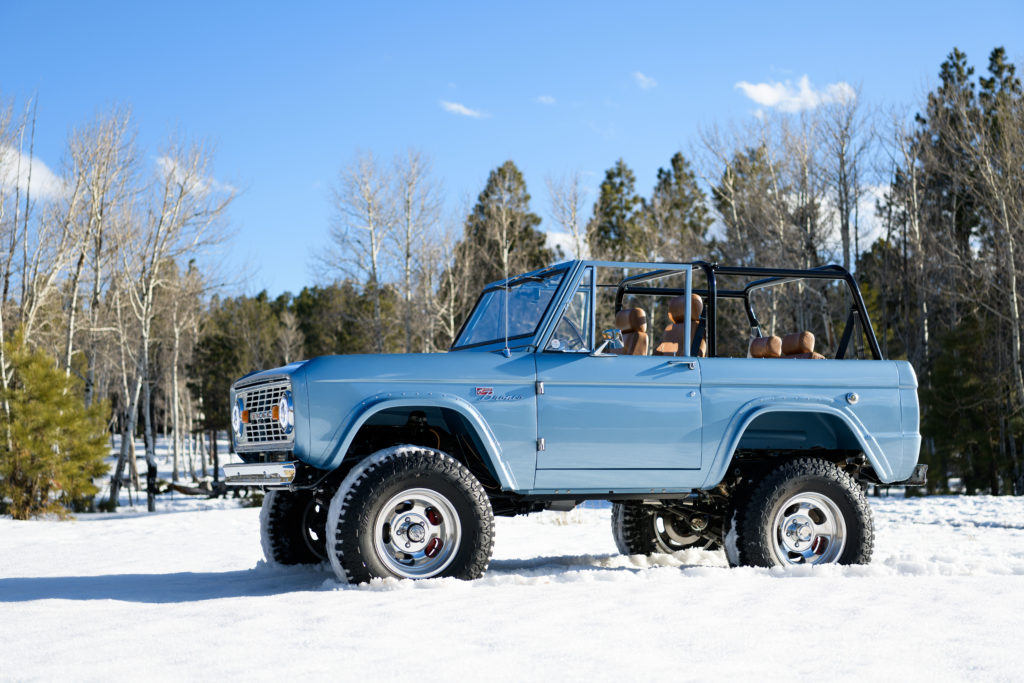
(69,336)
(213,455)
(127,445)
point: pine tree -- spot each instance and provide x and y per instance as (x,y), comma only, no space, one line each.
(614,227)
(677,216)
(500,237)
(51,447)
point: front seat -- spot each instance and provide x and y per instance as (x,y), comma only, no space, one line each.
(675,334)
(632,322)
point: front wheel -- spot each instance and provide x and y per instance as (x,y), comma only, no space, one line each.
(409,513)
(806,511)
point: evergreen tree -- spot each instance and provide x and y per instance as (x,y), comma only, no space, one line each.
(613,229)
(676,217)
(51,447)
(500,237)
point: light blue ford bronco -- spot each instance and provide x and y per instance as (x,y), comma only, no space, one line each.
(689,395)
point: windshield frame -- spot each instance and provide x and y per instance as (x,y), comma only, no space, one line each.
(559,270)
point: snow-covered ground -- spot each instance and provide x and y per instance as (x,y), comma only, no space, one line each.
(184,594)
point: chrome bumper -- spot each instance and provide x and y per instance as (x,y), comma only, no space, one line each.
(259,474)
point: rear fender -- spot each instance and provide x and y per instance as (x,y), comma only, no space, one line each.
(749,412)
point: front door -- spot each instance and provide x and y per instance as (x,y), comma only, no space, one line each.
(618,422)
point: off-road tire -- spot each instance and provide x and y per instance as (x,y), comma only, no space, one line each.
(359,552)
(292,528)
(755,536)
(635,528)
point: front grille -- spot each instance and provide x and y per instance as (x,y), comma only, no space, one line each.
(262,429)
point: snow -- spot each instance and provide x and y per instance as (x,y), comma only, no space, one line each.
(185,593)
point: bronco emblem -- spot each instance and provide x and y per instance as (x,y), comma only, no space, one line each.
(484,391)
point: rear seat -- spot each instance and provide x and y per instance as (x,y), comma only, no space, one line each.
(796,345)
(799,345)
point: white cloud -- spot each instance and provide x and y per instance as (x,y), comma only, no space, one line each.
(461,110)
(785,97)
(644,82)
(545,99)
(14,172)
(199,184)
(559,239)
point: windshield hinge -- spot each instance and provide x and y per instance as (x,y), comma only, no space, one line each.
(540,388)
(540,444)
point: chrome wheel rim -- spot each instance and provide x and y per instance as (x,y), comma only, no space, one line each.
(416,533)
(808,529)
(671,534)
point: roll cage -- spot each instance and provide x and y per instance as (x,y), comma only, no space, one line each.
(760,278)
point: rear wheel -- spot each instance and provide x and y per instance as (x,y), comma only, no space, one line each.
(640,529)
(410,513)
(806,511)
(292,528)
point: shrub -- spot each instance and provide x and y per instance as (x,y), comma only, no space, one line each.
(51,446)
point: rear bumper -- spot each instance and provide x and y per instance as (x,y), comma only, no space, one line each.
(259,474)
(918,478)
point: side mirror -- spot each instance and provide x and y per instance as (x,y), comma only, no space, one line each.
(612,341)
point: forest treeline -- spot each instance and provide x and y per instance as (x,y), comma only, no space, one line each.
(106,276)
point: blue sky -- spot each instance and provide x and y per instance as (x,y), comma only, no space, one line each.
(288,92)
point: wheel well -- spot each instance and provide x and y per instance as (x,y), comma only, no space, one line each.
(443,429)
(798,431)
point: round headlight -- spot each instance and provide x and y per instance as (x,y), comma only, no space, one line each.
(285,413)
(236,417)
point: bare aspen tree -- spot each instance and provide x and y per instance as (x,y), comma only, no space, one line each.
(905,154)
(103,156)
(994,147)
(9,236)
(179,218)
(363,224)
(183,302)
(452,277)
(418,199)
(289,338)
(568,198)
(847,141)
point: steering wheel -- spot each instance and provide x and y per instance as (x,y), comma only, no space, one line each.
(575,344)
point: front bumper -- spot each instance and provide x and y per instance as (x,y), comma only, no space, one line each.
(259,474)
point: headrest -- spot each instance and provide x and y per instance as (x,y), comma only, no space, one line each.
(677,308)
(798,342)
(631,320)
(766,347)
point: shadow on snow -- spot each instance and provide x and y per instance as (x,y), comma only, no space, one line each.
(164,588)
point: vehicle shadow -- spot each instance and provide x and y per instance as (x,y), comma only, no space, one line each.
(612,563)
(165,588)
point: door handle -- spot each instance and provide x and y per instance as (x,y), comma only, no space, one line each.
(690,364)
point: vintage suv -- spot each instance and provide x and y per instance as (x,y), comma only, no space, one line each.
(714,433)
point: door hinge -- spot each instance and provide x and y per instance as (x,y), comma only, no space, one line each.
(540,445)
(540,388)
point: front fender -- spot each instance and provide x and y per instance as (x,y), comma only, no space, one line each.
(372,405)
(750,411)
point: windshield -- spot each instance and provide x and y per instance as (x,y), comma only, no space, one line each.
(528,299)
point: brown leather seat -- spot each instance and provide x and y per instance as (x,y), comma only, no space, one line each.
(766,347)
(632,322)
(672,340)
(799,345)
